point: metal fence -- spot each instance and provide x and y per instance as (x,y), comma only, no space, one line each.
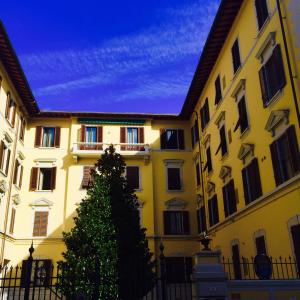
(246,269)
(38,279)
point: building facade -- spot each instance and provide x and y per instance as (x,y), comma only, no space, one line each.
(227,165)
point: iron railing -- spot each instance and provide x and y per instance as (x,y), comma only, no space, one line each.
(245,268)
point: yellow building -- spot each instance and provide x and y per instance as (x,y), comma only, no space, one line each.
(228,164)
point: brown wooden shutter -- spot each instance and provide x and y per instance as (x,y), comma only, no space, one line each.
(53,178)
(22,129)
(132,177)
(163,142)
(186,222)
(294,149)
(181,139)
(255,175)
(16,172)
(275,162)
(82,134)
(245,185)
(7,161)
(1,152)
(141,138)
(44,223)
(57,137)
(167,223)
(38,136)
(33,179)
(21,176)
(7,105)
(37,223)
(280,74)
(12,220)
(87,178)
(99,137)
(40,223)
(123,137)
(263,86)
(232,198)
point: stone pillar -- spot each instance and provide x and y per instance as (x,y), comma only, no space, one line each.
(209,278)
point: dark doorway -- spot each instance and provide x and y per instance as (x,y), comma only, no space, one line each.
(236,261)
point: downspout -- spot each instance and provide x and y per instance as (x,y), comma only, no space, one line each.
(200,156)
(288,61)
(13,158)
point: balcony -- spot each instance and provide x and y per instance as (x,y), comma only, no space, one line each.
(94,150)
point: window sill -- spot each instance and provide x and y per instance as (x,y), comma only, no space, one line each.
(2,172)
(42,147)
(274,99)
(43,191)
(245,133)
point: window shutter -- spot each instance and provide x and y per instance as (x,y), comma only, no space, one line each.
(123,137)
(33,179)
(280,74)
(12,220)
(82,134)
(294,149)
(215,210)
(245,185)
(53,178)
(13,121)
(181,139)
(237,125)
(7,161)
(99,137)
(57,137)
(22,129)
(275,162)
(38,136)
(167,223)
(232,198)
(87,178)
(218,90)
(7,105)
(16,172)
(37,223)
(141,138)
(202,117)
(206,111)
(255,175)
(1,151)
(163,142)
(21,176)
(223,140)
(263,85)
(186,222)
(193,137)
(132,176)
(196,131)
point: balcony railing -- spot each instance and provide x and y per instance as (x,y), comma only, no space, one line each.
(88,148)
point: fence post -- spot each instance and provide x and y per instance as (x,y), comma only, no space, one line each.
(163,277)
(28,273)
(97,278)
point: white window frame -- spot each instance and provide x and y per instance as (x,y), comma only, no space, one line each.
(42,137)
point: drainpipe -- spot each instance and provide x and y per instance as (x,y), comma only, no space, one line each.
(13,158)
(288,61)
(200,156)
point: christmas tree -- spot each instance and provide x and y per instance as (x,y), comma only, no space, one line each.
(107,255)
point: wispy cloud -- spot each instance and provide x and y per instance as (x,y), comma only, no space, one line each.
(157,61)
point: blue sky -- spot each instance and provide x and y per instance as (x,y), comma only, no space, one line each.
(110,56)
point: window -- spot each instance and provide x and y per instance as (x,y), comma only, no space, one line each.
(133,177)
(91,137)
(223,143)
(208,165)
(197,166)
(285,156)
(131,136)
(18,174)
(213,210)
(201,219)
(261,12)
(236,261)
(12,221)
(47,136)
(218,97)
(172,139)
(4,157)
(10,111)
(236,58)
(178,269)
(38,266)
(40,223)
(295,232)
(229,198)
(272,76)
(174,179)
(87,179)
(204,114)
(195,133)
(251,181)
(243,118)
(43,179)
(176,223)
(260,245)
(22,128)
